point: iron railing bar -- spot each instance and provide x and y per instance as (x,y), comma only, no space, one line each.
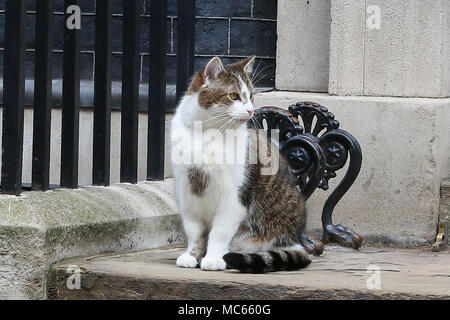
(157,90)
(102,94)
(185,45)
(13,100)
(71,104)
(42,95)
(130,91)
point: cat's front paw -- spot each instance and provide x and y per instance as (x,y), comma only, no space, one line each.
(187,261)
(213,263)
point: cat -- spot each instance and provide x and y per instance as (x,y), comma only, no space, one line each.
(234,216)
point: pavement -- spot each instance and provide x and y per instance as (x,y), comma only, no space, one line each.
(340,273)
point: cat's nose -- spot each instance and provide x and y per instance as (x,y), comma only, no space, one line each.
(250,112)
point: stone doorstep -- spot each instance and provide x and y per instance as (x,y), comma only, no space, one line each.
(40,228)
(340,273)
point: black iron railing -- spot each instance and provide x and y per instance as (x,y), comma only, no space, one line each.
(42,97)
(14,91)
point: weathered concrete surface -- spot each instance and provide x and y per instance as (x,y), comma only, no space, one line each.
(338,274)
(39,228)
(408,55)
(406,154)
(86,136)
(303,45)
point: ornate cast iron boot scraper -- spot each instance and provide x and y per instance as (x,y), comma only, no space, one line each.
(315,147)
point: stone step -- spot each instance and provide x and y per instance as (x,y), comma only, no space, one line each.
(339,273)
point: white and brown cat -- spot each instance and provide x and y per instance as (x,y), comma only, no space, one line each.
(234,216)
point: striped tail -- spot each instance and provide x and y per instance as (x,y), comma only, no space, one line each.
(267,261)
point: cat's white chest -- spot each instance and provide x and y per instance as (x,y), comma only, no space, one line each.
(208,153)
(225,175)
(224,162)
(219,150)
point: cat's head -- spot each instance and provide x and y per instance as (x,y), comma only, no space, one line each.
(225,92)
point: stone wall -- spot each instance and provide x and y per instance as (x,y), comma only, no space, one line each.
(303,67)
(407,56)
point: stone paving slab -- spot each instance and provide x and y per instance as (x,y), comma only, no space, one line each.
(340,273)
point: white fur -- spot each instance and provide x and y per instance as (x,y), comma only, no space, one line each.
(218,212)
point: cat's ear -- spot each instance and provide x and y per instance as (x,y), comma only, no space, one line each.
(245,65)
(213,68)
(248,64)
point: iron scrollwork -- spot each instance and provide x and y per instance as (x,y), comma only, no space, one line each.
(315,148)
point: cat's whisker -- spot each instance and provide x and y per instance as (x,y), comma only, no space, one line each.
(224,127)
(232,122)
(263,69)
(216,119)
(219,118)
(240,117)
(256,69)
(228,123)
(207,121)
(224,123)
(216,115)
(260,79)
(236,115)
(215,124)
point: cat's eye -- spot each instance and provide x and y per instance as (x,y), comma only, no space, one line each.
(234,96)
